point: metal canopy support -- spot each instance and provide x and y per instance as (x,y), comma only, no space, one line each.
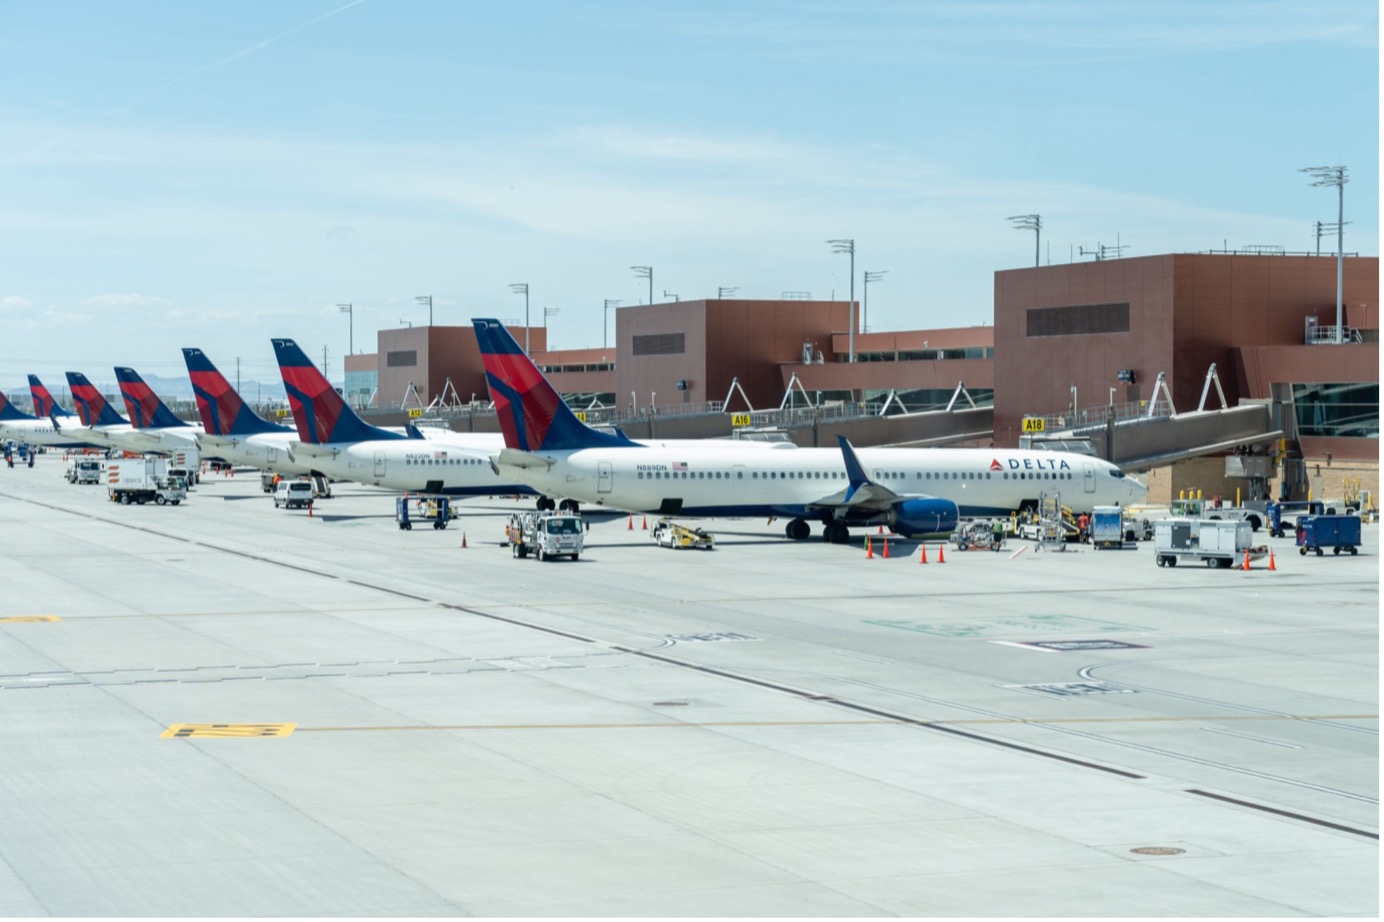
(787,392)
(1161,384)
(892,398)
(960,392)
(417,398)
(1206,387)
(735,386)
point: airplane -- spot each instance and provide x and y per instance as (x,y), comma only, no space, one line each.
(100,423)
(151,417)
(337,442)
(231,430)
(913,491)
(36,430)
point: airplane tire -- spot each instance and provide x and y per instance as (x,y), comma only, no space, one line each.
(797,529)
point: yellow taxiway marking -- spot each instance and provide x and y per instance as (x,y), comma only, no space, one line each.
(25,619)
(225,731)
(671,725)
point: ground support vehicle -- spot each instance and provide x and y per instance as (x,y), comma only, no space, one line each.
(1208,509)
(1216,542)
(545,534)
(668,533)
(437,509)
(142,480)
(268,481)
(976,535)
(1111,529)
(291,493)
(1278,514)
(187,464)
(81,469)
(1338,532)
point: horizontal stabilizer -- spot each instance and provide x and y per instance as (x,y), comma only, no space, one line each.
(518,460)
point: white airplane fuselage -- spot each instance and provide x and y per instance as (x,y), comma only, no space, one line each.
(39,432)
(710,480)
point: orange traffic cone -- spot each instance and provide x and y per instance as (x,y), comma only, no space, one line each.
(886,547)
(646,523)
(631,525)
(941,558)
(1246,566)
(463,541)
(1271,566)
(309,508)
(869,549)
(881,530)
(922,557)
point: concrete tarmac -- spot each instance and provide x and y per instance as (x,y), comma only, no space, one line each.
(224,709)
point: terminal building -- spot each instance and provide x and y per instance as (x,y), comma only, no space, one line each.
(1105,340)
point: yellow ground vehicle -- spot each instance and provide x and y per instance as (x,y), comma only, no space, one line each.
(670,534)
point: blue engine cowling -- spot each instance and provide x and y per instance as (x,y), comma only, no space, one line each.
(923,517)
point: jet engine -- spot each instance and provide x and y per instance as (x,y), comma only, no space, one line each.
(923,516)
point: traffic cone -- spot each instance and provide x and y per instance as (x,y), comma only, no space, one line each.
(941,558)
(881,530)
(463,541)
(1271,566)
(309,509)
(886,547)
(631,525)
(646,523)
(922,557)
(869,549)
(1246,558)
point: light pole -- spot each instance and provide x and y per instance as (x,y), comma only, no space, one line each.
(522,288)
(548,312)
(605,321)
(351,321)
(865,300)
(409,322)
(646,272)
(425,299)
(1033,222)
(669,294)
(1335,176)
(724,290)
(847,245)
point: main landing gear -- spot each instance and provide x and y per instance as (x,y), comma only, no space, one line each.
(834,532)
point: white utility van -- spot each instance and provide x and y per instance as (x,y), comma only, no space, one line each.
(291,493)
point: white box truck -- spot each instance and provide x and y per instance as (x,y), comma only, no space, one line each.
(142,480)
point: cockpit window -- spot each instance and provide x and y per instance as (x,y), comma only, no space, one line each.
(1116,473)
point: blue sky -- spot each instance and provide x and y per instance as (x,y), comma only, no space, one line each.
(214,174)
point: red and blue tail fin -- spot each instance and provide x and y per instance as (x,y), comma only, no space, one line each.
(222,410)
(92,408)
(144,406)
(319,412)
(532,414)
(44,404)
(10,411)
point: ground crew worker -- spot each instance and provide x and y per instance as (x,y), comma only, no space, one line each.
(998,526)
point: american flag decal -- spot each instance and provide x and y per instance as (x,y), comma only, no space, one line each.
(679,465)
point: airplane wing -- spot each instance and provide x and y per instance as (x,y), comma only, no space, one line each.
(516,459)
(208,442)
(299,451)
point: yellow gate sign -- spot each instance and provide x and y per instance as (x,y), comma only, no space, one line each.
(580,415)
(1035,424)
(739,420)
(415,412)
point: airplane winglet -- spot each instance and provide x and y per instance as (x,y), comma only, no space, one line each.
(855,471)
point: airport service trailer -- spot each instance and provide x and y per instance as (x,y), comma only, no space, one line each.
(1217,542)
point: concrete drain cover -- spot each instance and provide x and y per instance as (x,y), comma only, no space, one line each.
(1158,850)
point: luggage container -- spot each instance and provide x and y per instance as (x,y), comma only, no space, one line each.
(1338,532)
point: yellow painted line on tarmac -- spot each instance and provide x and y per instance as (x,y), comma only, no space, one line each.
(226,731)
(27,619)
(838,723)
